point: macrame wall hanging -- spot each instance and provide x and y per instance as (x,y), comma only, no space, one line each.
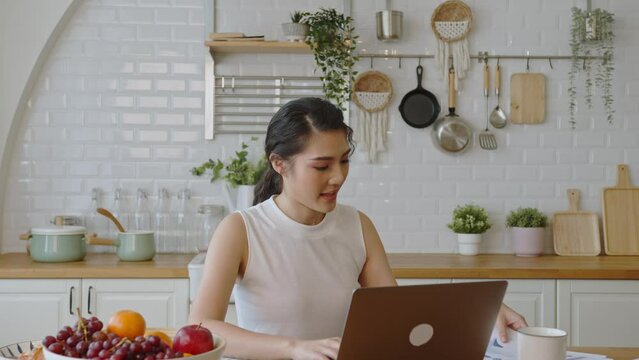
(372,92)
(451,22)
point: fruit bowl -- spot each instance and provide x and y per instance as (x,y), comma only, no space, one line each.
(215,354)
(12,351)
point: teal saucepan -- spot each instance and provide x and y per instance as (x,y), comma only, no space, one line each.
(130,245)
(57,244)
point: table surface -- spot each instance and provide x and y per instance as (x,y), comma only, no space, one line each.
(613,353)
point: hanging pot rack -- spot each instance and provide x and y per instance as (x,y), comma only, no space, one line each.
(484,56)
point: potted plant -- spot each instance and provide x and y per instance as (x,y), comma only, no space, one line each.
(296,30)
(469,222)
(528,230)
(240,173)
(332,39)
(591,34)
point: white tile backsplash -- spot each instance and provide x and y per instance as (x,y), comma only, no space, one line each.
(120,104)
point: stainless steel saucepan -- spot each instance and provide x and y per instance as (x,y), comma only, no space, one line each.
(451,133)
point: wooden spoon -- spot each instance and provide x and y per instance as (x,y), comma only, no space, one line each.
(107,213)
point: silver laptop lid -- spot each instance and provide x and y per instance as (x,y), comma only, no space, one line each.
(447,321)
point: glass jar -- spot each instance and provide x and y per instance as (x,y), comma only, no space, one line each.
(209,216)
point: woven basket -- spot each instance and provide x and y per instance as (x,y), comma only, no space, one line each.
(372,81)
(449,11)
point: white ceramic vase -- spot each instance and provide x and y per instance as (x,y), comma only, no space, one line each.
(243,200)
(528,241)
(468,243)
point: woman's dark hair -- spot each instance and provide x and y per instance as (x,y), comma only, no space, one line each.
(288,132)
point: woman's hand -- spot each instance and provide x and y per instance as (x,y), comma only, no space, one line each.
(323,349)
(508,318)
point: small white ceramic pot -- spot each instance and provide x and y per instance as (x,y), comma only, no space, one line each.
(528,241)
(468,243)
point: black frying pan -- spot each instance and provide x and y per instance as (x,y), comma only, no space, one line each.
(419,107)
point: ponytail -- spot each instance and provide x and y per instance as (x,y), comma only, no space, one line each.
(270,184)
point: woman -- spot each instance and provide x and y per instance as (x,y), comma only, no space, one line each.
(297,255)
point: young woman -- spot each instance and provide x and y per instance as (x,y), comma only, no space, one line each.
(297,255)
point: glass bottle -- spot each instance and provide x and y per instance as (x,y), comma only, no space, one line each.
(209,216)
(120,211)
(184,231)
(161,222)
(141,216)
(95,222)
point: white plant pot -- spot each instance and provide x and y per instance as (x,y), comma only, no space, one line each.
(468,243)
(528,241)
(295,31)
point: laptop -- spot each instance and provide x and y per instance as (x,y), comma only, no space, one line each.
(442,322)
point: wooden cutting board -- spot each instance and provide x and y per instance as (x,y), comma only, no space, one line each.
(527,98)
(621,215)
(576,232)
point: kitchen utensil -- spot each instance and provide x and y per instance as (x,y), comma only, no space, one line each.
(621,215)
(527,98)
(575,232)
(107,213)
(451,22)
(372,92)
(498,118)
(130,246)
(56,244)
(389,24)
(451,133)
(487,140)
(419,107)
(209,216)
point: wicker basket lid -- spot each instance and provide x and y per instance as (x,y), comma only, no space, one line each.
(451,20)
(372,82)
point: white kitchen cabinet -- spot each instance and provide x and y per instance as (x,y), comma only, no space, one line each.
(599,312)
(402,282)
(33,308)
(534,299)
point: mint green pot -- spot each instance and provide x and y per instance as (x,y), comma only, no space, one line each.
(58,244)
(135,245)
(130,245)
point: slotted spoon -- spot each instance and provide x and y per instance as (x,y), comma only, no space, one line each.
(487,139)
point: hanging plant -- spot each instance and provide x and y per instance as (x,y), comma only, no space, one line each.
(332,39)
(591,34)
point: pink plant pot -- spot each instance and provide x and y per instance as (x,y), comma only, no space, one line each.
(528,241)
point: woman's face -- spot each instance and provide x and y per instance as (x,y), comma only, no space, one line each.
(314,176)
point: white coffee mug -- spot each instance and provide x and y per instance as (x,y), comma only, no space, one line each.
(534,343)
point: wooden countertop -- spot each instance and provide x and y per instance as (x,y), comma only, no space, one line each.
(613,353)
(485,266)
(20,266)
(502,266)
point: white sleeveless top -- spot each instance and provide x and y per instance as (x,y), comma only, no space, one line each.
(299,279)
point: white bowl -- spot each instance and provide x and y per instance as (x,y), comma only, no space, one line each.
(12,351)
(215,354)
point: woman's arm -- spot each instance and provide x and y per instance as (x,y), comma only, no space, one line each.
(376,271)
(226,259)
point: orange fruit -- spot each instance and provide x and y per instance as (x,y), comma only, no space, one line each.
(126,323)
(163,336)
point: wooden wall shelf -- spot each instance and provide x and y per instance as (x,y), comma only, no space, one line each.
(268,47)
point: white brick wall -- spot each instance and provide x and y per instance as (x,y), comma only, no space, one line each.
(119,104)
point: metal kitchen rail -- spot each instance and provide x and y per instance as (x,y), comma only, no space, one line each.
(245,104)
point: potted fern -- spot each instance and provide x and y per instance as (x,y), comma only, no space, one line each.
(332,39)
(469,223)
(240,173)
(528,226)
(296,30)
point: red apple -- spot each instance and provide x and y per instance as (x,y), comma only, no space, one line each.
(193,339)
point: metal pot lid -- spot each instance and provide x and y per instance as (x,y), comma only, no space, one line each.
(60,230)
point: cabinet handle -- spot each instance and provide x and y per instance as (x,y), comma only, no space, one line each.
(89,300)
(71,300)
